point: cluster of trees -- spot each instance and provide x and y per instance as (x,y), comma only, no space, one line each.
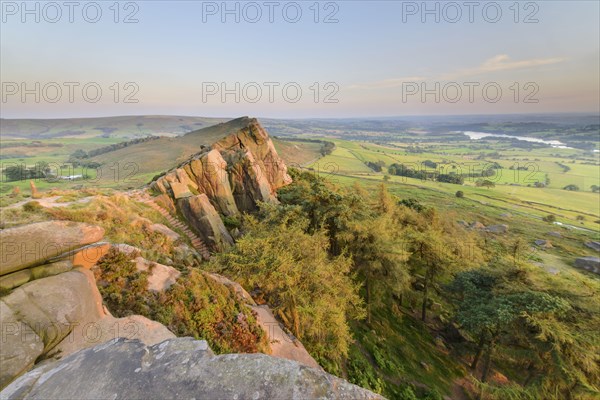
(564,167)
(327,148)
(375,166)
(79,157)
(484,183)
(410,172)
(325,257)
(21,172)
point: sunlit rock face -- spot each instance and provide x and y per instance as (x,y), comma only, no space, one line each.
(182,368)
(230,177)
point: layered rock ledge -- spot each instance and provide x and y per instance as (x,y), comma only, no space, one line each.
(231,176)
(177,368)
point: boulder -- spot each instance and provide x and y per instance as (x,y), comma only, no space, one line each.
(58,315)
(546,244)
(51,269)
(591,264)
(282,345)
(21,346)
(593,245)
(93,333)
(477,225)
(555,234)
(180,191)
(160,277)
(16,279)
(164,230)
(205,220)
(51,306)
(235,287)
(127,249)
(85,257)
(502,228)
(210,173)
(30,245)
(182,368)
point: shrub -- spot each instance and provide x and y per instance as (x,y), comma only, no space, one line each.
(413,204)
(550,218)
(195,305)
(231,222)
(460,194)
(32,206)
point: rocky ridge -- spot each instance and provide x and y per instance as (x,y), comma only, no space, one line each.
(225,179)
(52,312)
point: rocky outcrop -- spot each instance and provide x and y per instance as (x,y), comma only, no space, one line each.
(591,264)
(58,315)
(186,368)
(502,228)
(160,277)
(230,177)
(281,344)
(165,231)
(31,245)
(545,244)
(235,287)
(593,245)
(51,305)
(205,220)
(48,248)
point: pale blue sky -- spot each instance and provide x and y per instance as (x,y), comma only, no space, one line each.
(369,53)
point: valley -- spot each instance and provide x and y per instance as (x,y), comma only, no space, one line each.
(522,205)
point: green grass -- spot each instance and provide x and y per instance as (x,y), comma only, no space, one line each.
(398,350)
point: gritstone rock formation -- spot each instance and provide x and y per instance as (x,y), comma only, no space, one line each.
(230,177)
(177,368)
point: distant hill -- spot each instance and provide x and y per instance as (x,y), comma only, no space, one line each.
(159,155)
(126,127)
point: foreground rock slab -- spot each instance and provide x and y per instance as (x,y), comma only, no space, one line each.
(177,368)
(30,245)
(59,315)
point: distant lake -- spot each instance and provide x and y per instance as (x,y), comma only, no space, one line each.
(480,135)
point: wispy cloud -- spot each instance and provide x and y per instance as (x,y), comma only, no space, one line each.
(502,62)
(387,83)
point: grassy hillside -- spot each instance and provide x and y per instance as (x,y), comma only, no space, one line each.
(124,127)
(131,166)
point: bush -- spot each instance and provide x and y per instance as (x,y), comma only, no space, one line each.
(460,194)
(231,222)
(572,188)
(413,204)
(32,206)
(196,305)
(550,218)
